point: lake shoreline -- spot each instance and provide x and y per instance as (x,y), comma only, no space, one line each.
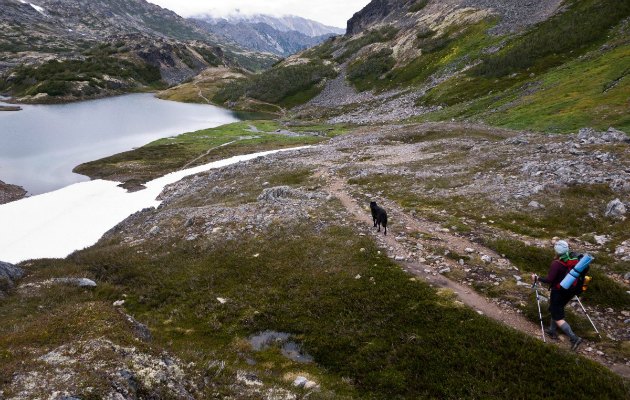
(40,145)
(10,108)
(45,99)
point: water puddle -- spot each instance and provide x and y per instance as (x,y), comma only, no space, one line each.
(289,349)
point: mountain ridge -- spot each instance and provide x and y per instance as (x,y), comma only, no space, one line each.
(101,40)
(469,60)
(284,23)
(260,36)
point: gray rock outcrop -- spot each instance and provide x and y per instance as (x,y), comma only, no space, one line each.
(9,273)
(612,135)
(616,209)
(80,282)
(9,193)
(513,14)
(282,193)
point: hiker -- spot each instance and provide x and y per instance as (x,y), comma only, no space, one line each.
(559,298)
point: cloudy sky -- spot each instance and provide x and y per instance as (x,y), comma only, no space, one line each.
(329,12)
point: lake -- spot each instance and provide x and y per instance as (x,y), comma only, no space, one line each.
(40,145)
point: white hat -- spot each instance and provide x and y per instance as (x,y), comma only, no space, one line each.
(561,247)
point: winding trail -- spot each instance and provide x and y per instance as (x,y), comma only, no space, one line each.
(205,154)
(337,188)
(201,94)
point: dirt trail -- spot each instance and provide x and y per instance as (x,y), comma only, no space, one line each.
(466,295)
(200,94)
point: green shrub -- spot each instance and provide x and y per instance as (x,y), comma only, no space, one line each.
(432,44)
(604,291)
(564,35)
(383,34)
(528,258)
(54,88)
(186,57)
(425,33)
(418,5)
(389,336)
(323,51)
(277,84)
(53,76)
(210,57)
(364,73)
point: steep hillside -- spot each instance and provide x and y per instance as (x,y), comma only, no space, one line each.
(54,50)
(546,64)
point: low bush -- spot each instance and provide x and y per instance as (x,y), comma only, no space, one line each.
(53,76)
(383,34)
(277,84)
(389,336)
(208,55)
(418,5)
(364,73)
(527,258)
(584,23)
(433,44)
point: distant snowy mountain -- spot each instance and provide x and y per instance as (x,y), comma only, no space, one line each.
(290,23)
(278,35)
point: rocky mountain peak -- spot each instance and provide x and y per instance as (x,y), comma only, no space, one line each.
(281,36)
(513,15)
(376,11)
(285,23)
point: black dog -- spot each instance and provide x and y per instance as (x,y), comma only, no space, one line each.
(379,216)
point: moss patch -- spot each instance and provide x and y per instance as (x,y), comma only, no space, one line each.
(196,148)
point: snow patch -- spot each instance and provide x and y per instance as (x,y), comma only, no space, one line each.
(54,224)
(38,8)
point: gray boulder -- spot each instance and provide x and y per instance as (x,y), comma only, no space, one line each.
(616,209)
(587,134)
(9,273)
(286,193)
(80,282)
(615,135)
(141,331)
(612,135)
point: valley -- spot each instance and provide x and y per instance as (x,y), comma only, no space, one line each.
(285,243)
(486,130)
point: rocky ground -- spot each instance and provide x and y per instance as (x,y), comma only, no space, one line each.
(339,102)
(451,190)
(503,170)
(10,193)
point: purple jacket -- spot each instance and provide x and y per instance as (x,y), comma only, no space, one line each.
(556,274)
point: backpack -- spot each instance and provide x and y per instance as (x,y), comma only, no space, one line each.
(581,283)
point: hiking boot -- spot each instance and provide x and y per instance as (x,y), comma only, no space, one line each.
(575,344)
(552,334)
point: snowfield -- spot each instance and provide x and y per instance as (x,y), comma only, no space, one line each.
(55,224)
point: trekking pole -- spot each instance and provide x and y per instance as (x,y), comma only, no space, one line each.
(589,318)
(542,328)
